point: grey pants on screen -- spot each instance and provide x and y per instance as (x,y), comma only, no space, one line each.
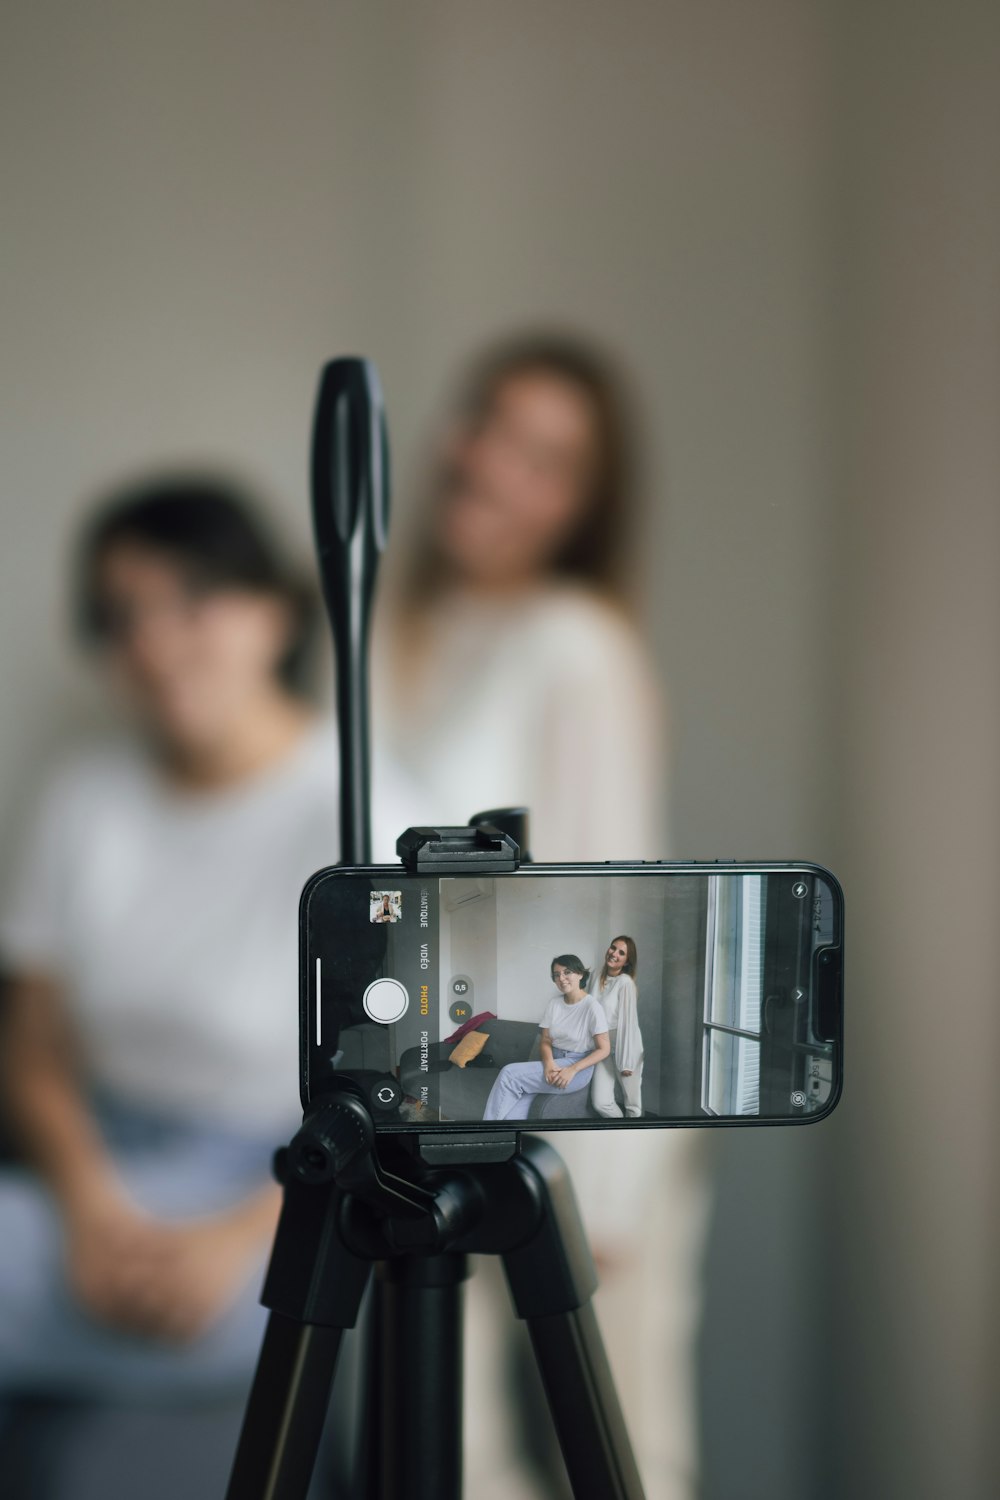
(518,1083)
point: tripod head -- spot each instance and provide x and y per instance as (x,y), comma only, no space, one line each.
(336,1146)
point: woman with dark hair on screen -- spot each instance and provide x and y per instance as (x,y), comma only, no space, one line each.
(574,1041)
(511,671)
(615,987)
(149,1057)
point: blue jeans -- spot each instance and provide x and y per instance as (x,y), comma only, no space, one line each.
(50,1345)
(518,1083)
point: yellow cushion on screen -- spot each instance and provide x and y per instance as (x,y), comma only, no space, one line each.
(469,1047)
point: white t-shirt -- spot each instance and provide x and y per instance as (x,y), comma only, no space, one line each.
(171,920)
(573,1027)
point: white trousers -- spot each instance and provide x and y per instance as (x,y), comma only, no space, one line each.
(603,1095)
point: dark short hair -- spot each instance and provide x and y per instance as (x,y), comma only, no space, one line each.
(572,962)
(211,530)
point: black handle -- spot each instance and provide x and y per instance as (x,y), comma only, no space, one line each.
(350,494)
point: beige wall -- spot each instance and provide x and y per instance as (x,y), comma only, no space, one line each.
(919,481)
(206,201)
(784,215)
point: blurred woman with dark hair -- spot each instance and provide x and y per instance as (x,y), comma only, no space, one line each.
(513,673)
(149,1058)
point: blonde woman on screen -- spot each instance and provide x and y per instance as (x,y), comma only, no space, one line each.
(514,609)
(621,1071)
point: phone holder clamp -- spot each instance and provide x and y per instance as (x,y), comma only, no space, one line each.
(469,850)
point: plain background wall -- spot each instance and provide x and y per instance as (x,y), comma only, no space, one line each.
(785,215)
(533,924)
(919,492)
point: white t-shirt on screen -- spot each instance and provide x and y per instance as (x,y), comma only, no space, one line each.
(170,919)
(573,1027)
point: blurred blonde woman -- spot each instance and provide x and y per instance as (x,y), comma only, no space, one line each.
(510,672)
(515,610)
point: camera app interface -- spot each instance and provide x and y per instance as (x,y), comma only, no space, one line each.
(571,1000)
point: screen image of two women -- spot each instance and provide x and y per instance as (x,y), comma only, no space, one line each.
(589,1036)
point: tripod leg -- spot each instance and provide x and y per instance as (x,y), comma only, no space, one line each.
(314,1288)
(353,1433)
(421,1363)
(285,1413)
(552,1280)
(584,1405)
(351,1437)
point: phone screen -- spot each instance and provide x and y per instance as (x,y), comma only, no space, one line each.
(574,997)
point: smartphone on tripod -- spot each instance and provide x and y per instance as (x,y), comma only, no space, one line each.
(447,999)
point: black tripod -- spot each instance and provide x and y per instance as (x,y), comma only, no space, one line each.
(343,1212)
(413,1210)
